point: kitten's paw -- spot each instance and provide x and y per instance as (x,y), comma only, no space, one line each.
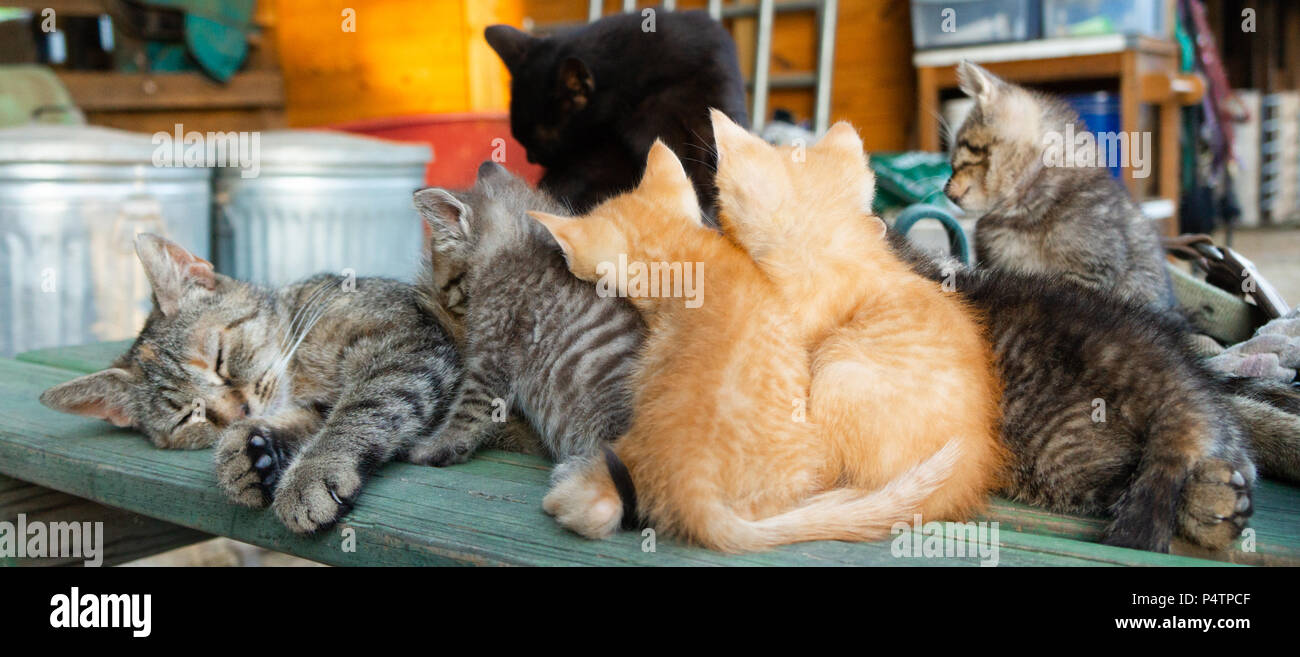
(249,462)
(586,505)
(1215,506)
(441,453)
(315,492)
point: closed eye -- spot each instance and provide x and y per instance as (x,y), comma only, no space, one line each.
(188,416)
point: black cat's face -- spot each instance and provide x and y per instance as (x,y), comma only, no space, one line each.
(550,94)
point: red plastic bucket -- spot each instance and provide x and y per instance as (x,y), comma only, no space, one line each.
(460,143)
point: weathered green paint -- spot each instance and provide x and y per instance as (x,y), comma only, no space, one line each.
(485,512)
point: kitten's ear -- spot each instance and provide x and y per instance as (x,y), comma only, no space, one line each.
(729,136)
(446,215)
(104,395)
(751,181)
(666,178)
(511,44)
(877,225)
(975,81)
(172,270)
(576,81)
(565,230)
(490,171)
(842,137)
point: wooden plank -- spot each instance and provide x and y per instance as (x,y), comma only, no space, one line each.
(484,512)
(126,536)
(155,91)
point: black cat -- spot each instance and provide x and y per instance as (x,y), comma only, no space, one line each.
(588,103)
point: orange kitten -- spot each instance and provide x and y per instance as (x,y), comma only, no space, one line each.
(719,451)
(900,367)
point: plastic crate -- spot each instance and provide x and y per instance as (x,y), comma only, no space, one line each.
(951,23)
(1065,18)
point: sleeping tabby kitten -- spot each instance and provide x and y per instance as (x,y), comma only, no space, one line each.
(587,103)
(1106,409)
(536,339)
(305,390)
(1075,220)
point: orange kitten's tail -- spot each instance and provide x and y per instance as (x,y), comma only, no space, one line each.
(844,514)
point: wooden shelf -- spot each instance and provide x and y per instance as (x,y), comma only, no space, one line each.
(109,92)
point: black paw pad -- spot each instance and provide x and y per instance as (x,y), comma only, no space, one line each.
(268,459)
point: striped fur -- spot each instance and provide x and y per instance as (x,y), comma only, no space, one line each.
(535,340)
(1107,411)
(1073,220)
(304,390)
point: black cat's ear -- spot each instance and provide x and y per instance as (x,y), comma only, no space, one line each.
(172,271)
(511,44)
(445,214)
(975,81)
(104,395)
(576,81)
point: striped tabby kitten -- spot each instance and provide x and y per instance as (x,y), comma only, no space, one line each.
(305,390)
(1106,409)
(536,339)
(1075,220)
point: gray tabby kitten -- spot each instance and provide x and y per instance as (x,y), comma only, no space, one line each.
(1075,220)
(305,390)
(1106,410)
(536,340)
(1081,224)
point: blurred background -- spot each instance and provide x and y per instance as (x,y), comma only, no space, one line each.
(349,106)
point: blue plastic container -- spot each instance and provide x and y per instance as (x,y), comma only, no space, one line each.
(1099,110)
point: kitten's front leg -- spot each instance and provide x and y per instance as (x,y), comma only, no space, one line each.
(480,410)
(252,453)
(373,421)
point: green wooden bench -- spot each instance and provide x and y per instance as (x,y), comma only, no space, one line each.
(486,512)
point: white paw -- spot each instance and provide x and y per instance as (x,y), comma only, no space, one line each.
(584,507)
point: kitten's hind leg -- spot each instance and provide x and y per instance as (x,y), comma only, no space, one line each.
(479,412)
(583,498)
(1216,505)
(251,454)
(1183,483)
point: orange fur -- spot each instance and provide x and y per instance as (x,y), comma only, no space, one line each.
(900,366)
(718,449)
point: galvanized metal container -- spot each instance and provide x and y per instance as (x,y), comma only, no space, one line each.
(321,201)
(72,199)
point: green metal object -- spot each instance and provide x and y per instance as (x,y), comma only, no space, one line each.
(958,245)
